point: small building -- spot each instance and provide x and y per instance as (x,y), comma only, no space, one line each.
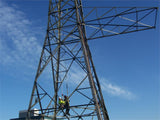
(37,118)
(33,118)
(34,115)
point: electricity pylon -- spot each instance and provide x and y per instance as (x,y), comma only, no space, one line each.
(66,65)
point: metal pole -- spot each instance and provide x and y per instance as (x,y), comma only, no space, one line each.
(87,61)
(58,59)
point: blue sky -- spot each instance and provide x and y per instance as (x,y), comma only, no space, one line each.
(127,65)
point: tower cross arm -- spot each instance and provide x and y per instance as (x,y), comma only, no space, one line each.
(118,20)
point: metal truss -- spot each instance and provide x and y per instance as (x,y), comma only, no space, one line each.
(66,65)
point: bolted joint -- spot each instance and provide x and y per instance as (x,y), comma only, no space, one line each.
(74,58)
(61,43)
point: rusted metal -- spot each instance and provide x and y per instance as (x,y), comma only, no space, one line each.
(67,52)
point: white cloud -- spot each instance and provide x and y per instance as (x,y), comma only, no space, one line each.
(107,86)
(18,42)
(19,46)
(116,90)
(76,75)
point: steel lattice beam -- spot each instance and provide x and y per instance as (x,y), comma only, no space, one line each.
(66,51)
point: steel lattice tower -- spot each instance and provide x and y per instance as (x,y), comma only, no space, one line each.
(66,55)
